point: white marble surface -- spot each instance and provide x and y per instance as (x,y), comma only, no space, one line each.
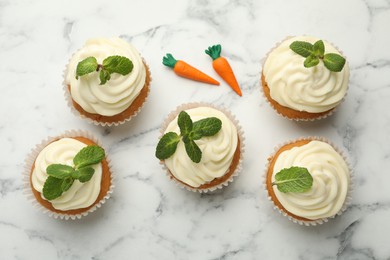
(148,217)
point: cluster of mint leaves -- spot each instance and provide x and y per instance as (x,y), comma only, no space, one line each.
(293,179)
(316,52)
(61,177)
(189,132)
(111,64)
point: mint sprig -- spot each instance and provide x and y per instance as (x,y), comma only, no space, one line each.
(193,151)
(61,176)
(111,64)
(189,132)
(167,145)
(86,66)
(293,179)
(87,156)
(316,52)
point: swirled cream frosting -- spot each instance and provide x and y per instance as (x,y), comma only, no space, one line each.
(330,180)
(314,89)
(119,92)
(217,150)
(80,195)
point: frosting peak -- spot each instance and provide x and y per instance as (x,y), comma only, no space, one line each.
(117,94)
(80,195)
(314,89)
(217,150)
(330,180)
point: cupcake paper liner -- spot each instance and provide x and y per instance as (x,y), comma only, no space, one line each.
(299,119)
(171,116)
(348,198)
(74,111)
(30,160)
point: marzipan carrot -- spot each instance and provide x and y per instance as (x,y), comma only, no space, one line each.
(185,70)
(222,67)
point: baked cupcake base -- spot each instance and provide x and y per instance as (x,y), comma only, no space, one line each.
(291,113)
(235,166)
(217,181)
(36,197)
(118,119)
(272,196)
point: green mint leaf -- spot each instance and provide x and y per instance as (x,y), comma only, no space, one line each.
(76,174)
(167,145)
(186,138)
(293,179)
(66,183)
(207,127)
(319,48)
(194,135)
(334,62)
(85,174)
(59,171)
(86,66)
(193,151)
(304,49)
(118,64)
(104,76)
(52,188)
(89,155)
(185,123)
(311,61)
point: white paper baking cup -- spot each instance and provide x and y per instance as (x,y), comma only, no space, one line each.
(30,160)
(74,111)
(171,116)
(300,119)
(348,198)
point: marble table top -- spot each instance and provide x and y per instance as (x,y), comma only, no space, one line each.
(148,217)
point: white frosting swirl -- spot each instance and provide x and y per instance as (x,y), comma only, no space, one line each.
(314,89)
(217,150)
(80,195)
(119,92)
(330,180)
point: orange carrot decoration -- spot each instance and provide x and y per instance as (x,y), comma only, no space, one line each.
(222,67)
(185,70)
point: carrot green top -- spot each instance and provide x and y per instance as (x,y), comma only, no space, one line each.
(214,51)
(169,61)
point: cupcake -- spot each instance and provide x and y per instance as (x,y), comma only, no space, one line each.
(308,181)
(68,176)
(107,81)
(305,78)
(201,147)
